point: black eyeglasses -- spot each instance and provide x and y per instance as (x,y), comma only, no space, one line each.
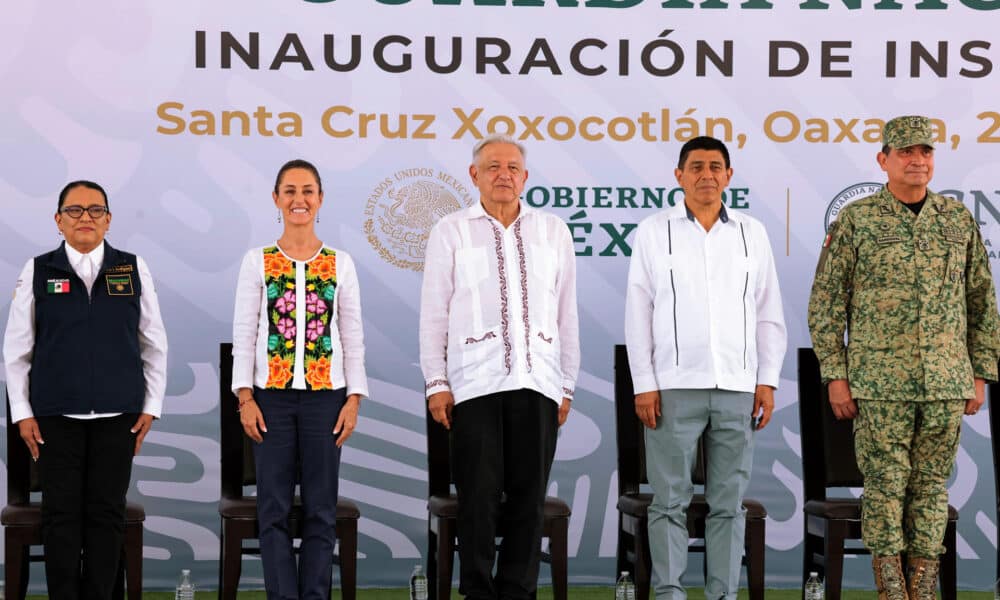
(96,211)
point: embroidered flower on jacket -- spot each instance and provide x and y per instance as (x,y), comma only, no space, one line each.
(318,373)
(314,329)
(323,267)
(279,372)
(286,327)
(276,265)
(286,303)
(314,304)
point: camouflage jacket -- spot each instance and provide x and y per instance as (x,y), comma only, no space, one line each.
(914,294)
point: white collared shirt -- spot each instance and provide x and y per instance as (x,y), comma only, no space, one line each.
(498,306)
(251,325)
(19,339)
(703,309)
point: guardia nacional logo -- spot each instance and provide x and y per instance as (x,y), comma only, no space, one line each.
(845,197)
(403,207)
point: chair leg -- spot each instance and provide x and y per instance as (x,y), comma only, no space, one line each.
(643,561)
(431,561)
(15,567)
(948,568)
(347,534)
(133,560)
(230,564)
(222,553)
(811,546)
(833,553)
(622,563)
(558,554)
(755,557)
(445,557)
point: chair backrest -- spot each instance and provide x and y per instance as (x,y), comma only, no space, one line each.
(19,465)
(631,440)
(237,466)
(438,458)
(993,398)
(22,475)
(828,458)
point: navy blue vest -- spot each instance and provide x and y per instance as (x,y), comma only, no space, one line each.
(86,356)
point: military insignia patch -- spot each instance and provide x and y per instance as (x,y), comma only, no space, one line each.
(953,234)
(119,285)
(826,247)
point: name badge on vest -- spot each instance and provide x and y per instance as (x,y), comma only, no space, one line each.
(119,269)
(119,285)
(57,286)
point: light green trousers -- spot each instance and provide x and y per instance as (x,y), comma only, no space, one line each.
(723,417)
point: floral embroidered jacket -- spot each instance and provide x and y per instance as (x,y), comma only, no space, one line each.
(297,324)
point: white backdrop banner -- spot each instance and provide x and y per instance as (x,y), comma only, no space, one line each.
(185,110)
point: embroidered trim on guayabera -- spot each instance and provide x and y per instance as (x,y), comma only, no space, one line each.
(547,340)
(504,308)
(489,335)
(567,392)
(436,382)
(524,293)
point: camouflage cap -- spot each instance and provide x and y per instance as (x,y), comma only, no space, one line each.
(903,132)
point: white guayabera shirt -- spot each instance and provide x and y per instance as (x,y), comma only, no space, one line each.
(498,307)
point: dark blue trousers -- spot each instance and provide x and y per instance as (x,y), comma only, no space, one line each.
(299,447)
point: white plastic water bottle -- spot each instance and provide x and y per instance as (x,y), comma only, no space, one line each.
(814,587)
(185,588)
(418,584)
(624,589)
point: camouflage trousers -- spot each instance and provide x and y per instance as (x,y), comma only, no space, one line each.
(906,451)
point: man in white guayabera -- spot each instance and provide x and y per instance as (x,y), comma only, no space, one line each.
(500,352)
(706,339)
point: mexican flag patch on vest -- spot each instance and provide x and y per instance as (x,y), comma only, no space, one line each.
(58,286)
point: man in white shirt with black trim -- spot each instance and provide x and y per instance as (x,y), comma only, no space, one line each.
(86,358)
(706,339)
(500,353)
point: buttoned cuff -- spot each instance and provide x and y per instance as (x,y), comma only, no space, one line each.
(568,388)
(360,391)
(769,376)
(984,369)
(644,383)
(153,406)
(435,385)
(834,367)
(20,411)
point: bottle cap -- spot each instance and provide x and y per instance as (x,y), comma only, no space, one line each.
(624,572)
(813,574)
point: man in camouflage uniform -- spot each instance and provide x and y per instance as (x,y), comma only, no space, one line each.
(906,274)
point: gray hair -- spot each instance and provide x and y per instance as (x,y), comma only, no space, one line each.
(497,138)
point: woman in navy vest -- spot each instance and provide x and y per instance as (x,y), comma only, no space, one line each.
(86,357)
(299,375)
